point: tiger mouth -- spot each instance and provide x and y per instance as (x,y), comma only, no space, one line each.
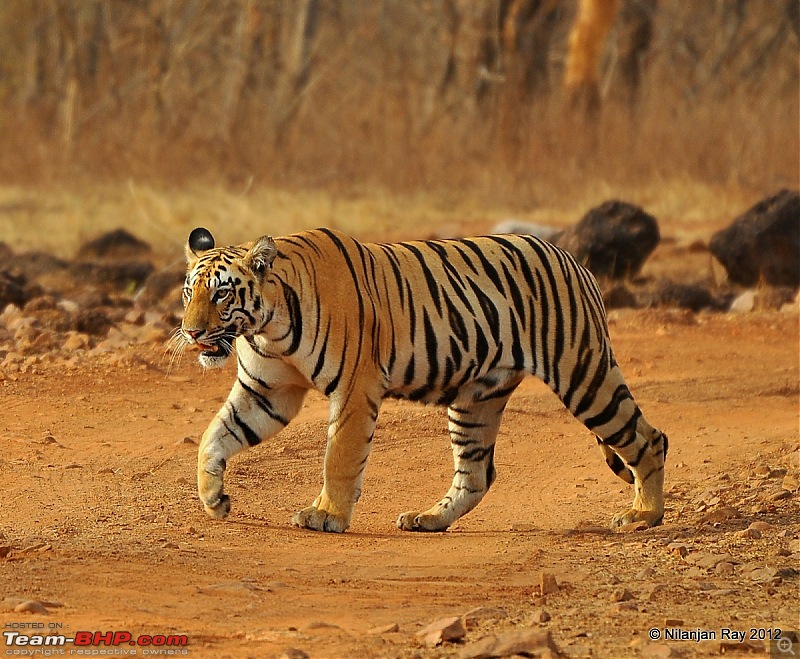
(213,350)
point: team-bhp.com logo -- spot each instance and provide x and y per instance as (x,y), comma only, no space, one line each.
(87,643)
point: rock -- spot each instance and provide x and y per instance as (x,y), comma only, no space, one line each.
(384,629)
(656,651)
(756,647)
(294,653)
(115,244)
(8,604)
(764,574)
(184,441)
(619,296)
(633,527)
(5,550)
(780,495)
(548,583)
(668,293)
(540,616)
(30,606)
(159,285)
(521,227)
(791,483)
(93,321)
(773,298)
(761,526)
(474,617)
(750,533)
(526,642)
(621,595)
(745,303)
(34,264)
(678,548)
(12,289)
(644,573)
(673,622)
(707,560)
(762,246)
(625,606)
(721,514)
(724,569)
(442,631)
(76,341)
(613,239)
(125,275)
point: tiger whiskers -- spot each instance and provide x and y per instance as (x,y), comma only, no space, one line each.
(175,347)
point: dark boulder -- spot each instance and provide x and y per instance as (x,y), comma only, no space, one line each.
(12,289)
(160,285)
(763,244)
(93,321)
(125,275)
(613,239)
(116,244)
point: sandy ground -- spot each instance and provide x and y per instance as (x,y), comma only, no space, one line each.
(102,526)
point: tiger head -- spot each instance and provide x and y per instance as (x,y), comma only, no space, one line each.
(223,294)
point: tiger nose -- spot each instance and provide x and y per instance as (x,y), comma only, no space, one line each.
(194,333)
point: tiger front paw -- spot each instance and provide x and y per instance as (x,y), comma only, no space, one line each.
(633,516)
(219,509)
(318,519)
(416,521)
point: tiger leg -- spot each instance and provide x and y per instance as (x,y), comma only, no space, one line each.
(253,412)
(473,421)
(615,463)
(350,432)
(643,450)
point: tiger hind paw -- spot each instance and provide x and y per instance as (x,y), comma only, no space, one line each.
(220,509)
(318,519)
(633,516)
(415,521)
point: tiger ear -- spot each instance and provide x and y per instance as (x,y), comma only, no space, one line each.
(261,255)
(200,241)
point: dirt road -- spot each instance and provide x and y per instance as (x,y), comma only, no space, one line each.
(101,524)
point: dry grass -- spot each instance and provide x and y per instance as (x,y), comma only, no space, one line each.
(59,220)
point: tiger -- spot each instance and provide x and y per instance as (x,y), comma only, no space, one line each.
(456,323)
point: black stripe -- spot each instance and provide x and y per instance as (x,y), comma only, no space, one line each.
(499,393)
(481,346)
(487,266)
(323,350)
(599,377)
(457,325)
(335,382)
(618,439)
(476,454)
(465,424)
(408,377)
(265,404)
(398,275)
(621,393)
(249,434)
(490,313)
(295,318)
(516,346)
(579,370)
(433,285)
(432,347)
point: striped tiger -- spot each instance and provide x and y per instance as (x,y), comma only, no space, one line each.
(457,323)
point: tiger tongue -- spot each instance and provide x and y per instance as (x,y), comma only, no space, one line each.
(207,348)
